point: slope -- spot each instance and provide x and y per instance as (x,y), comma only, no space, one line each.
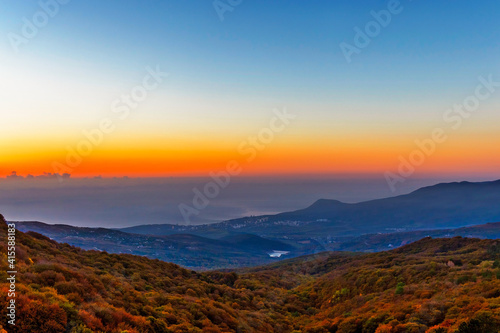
(433,285)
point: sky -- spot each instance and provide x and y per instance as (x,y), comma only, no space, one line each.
(212,83)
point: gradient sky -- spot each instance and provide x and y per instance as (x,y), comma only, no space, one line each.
(226,77)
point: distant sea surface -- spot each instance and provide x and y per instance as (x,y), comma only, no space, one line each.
(121,202)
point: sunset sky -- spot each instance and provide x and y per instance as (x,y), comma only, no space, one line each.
(227,79)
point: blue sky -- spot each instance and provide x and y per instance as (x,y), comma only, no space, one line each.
(226,75)
(279,47)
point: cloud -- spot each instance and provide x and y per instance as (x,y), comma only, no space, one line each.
(46,175)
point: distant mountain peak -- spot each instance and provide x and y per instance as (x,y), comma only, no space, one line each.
(326,203)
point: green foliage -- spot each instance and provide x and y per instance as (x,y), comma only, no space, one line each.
(400,288)
(81,329)
(487,274)
(466,278)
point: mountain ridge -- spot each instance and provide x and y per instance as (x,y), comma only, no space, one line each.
(444,205)
(188,250)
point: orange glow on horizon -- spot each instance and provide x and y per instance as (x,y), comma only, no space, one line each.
(302,158)
(293,152)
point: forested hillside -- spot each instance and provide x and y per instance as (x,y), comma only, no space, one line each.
(433,285)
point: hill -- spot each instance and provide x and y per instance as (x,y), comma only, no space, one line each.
(191,251)
(236,250)
(433,285)
(385,241)
(449,205)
